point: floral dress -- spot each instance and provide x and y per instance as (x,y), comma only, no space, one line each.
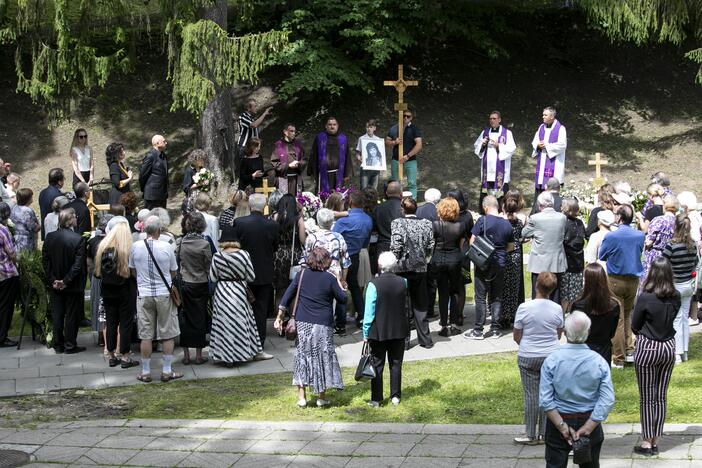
(660,232)
(25,222)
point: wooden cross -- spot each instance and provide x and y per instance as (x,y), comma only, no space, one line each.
(598,162)
(400,86)
(266,190)
(92,207)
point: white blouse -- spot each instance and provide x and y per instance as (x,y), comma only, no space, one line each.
(83,158)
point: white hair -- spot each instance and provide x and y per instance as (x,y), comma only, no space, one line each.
(545,200)
(551,111)
(257,201)
(325,218)
(688,200)
(622,187)
(386,262)
(432,195)
(116,220)
(162,215)
(577,327)
(152,225)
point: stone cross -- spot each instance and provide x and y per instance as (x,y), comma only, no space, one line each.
(598,162)
(266,190)
(400,86)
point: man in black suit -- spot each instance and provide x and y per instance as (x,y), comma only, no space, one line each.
(386,213)
(258,235)
(80,206)
(63,256)
(49,194)
(153,176)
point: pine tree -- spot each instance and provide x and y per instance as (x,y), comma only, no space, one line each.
(64,48)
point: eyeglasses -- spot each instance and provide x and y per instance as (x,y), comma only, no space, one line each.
(82,136)
(407,116)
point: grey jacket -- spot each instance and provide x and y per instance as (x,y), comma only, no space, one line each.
(547,230)
(194,258)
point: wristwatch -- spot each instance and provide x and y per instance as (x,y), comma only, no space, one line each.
(562,423)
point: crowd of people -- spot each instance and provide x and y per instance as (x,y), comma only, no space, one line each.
(622,287)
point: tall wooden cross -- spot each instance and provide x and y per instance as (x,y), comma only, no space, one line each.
(598,162)
(266,190)
(400,86)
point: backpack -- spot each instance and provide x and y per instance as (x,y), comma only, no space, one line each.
(108,269)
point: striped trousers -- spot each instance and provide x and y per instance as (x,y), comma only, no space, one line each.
(653,361)
(530,372)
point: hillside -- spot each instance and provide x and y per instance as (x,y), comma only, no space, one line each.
(639,107)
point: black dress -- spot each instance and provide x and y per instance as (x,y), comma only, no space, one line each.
(513,293)
(118,173)
(248,167)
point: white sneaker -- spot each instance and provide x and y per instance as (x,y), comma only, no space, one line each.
(678,359)
(302,403)
(395,401)
(629,358)
(262,356)
(322,403)
(374,404)
(617,366)
(693,322)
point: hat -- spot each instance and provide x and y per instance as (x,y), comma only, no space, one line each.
(228,236)
(605,217)
(622,198)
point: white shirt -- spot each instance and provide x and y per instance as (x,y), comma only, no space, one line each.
(82,158)
(149,282)
(592,250)
(507,149)
(555,150)
(212,228)
(539,321)
(51,222)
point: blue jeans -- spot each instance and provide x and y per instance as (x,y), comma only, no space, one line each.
(369,177)
(410,171)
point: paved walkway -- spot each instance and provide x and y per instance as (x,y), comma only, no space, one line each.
(36,369)
(219,443)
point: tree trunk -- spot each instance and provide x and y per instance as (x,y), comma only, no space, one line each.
(216,122)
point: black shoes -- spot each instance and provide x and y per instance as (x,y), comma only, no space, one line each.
(59,349)
(85,323)
(444,331)
(8,343)
(76,350)
(646,451)
(340,331)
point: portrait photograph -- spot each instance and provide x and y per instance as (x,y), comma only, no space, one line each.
(373,154)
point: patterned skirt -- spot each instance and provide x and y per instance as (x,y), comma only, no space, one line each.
(315,363)
(571,286)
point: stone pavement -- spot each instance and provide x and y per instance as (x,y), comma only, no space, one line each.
(220,443)
(36,369)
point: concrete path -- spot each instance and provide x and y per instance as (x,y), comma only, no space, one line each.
(219,443)
(36,369)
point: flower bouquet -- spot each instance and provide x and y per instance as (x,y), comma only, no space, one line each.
(638,200)
(203,178)
(344,191)
(310,204)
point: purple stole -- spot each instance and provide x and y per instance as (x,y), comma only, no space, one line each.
(549,164)
(282,152)
(499,165)
(322,161)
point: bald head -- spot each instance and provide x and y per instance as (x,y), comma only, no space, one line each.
(394,190)
(158,142)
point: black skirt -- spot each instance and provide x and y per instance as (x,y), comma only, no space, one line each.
(193,323)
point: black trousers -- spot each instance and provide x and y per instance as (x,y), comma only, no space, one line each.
(119,314)
(66,314)
(395,351)
(555,295)
(431,290)
(417,288)
(151,204)
(355,288)
(603,349)
(557,448)
(263,293)
(9,289)
(449,283)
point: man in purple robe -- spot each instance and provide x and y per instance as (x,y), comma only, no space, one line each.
(289,160)
(549,143)
(494,146)
(330,164)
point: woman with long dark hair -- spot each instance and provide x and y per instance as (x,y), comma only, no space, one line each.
(681,251)
(120,175)
(574,247)
(598,303)
(513,293)
(653,324)
(290,225)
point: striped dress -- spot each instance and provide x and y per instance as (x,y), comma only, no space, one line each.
(234,336)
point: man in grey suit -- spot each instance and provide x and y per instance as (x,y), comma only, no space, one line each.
(547,229)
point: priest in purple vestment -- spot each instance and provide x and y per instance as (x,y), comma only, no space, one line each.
(549,143)
(289,160)
(330,164)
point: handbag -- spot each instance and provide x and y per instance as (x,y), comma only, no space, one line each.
(365,370)
(482,250)
(291,326)
(581,449)
(172,290)
(294,269)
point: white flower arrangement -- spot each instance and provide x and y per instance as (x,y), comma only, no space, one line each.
(203,178)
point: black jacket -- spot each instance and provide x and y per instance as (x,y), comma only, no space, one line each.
(153,176)
(257,235)
(390,322)
(384,215)
(82,215)
(117,175)
(63,256)
(46,198)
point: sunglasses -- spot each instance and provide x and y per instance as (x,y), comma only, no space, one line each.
(407,116)
(82,136)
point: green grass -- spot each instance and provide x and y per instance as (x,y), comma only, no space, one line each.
(476,389)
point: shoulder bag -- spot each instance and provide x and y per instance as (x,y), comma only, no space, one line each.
(291,326)
(172,289)
(482,250)
(294,269)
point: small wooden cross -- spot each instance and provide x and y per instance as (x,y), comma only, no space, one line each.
(266,190)
(92,208)
(400,86)
(598,162)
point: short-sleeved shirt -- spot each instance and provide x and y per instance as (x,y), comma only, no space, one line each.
(149,281)
(247,132)
(410,133)
(499,232)
(539,321)
(8,268)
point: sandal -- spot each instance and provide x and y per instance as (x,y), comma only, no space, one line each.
(146,378)
(167,377)
(114,362)
(130,363)
(201,361)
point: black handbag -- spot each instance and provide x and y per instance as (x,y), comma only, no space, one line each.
(482,250)
(365,370)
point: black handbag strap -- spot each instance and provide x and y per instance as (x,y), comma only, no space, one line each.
(158,268)
(297,294)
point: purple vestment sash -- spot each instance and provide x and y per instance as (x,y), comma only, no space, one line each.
(282,152)
(549,164)
(322,161)
(499,165)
